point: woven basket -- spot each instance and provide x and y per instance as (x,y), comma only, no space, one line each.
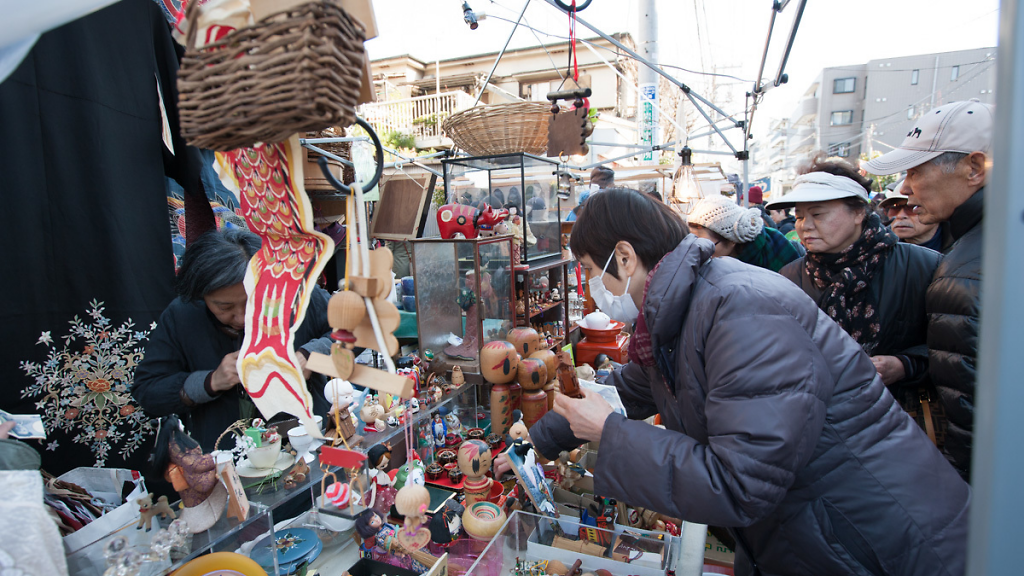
(501,128)
(294,71)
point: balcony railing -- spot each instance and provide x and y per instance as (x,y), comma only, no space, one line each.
(420,116)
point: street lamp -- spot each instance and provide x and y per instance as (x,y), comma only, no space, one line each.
(685,188)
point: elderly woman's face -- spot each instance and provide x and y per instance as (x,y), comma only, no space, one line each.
(228,305)
(829,227)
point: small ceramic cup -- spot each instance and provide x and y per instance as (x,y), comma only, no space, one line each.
(265,456)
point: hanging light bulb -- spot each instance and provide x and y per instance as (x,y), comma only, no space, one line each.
(685,188)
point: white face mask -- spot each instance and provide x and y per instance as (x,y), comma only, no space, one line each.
(620,308)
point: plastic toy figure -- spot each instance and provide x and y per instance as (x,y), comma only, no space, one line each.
(440,431)
(382,492)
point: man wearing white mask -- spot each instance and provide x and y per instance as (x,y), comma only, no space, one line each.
(777,425)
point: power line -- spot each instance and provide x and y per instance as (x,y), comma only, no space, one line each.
(596,45)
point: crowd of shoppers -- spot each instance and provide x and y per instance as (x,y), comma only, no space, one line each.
(788,400)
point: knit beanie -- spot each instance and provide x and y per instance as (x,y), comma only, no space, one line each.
(755,195)
(722,216)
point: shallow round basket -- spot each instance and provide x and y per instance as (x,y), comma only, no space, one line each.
(501,128)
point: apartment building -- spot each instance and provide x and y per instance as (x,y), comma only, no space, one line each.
(869,108)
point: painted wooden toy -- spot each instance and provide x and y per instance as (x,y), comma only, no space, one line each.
(458,379)
(475,463)
(526,340)
(455,219)
(499,362)
(532,374)
(567,376)
(550,360)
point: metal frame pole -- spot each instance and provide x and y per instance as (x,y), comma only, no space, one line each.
(500,54)
(647,63)
(997,466)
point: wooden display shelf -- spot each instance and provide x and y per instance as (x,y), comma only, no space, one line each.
(544,309)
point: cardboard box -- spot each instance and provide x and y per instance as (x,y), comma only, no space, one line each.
(105,484)
(717,553)
(631,547)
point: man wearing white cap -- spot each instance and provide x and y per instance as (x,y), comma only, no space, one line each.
(945,156)
(906,224)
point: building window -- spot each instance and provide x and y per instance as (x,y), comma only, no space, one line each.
(841,118)
(844,85)
(954,74)
(841,149)
(914,77)
(910,113)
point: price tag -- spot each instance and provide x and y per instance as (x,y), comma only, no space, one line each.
(238,502)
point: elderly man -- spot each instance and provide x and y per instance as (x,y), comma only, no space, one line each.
(945,156)
(906,224)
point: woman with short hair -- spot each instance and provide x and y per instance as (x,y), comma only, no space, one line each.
(190,363)
(776,424)
(863,277)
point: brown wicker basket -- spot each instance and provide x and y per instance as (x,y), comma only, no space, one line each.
(501,128)
(294,71)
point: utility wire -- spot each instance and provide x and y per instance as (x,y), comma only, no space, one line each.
(550,35)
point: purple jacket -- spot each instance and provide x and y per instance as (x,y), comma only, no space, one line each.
(778,427)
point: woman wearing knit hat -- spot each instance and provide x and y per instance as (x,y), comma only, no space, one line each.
(739,232)
(863,277)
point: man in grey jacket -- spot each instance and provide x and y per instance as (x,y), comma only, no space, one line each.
(946,156)
(777,424)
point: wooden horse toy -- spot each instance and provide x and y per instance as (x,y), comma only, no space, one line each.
(148,510)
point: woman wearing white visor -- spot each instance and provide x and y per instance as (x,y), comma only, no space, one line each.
(865,279)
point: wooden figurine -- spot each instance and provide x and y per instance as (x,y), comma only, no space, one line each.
(550,360)
(382,492)
(499,364)
(526,340)
(412,502)
(532,374)
(148,510)
(475,462)
(567,376)
(458,379)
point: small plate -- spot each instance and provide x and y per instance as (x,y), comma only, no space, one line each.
(245,469)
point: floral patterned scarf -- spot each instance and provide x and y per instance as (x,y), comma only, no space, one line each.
(845,281)
(640,350)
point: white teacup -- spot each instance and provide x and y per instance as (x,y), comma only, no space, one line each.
(265,456)
(301,441)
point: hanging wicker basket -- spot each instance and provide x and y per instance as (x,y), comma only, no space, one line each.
(501,128)
(293,71)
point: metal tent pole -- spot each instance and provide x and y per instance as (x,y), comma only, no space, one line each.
(500,54)
(997,466)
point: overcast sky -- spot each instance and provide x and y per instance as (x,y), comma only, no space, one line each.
(727,35)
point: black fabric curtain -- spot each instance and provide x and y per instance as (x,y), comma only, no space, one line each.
(88,255)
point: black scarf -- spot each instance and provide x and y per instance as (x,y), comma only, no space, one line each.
(845,281)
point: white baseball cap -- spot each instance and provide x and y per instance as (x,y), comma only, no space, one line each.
(891,196)
(964,127)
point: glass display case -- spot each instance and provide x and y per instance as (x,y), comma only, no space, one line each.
(527,539)
(524,184)
(464,297)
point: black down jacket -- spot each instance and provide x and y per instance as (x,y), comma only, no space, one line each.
(777,426)
(187,345)
(898,286)
(953,304)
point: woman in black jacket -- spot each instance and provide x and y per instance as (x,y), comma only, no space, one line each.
(859,273)
(190,364)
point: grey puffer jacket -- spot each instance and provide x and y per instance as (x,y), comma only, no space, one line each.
(778,427)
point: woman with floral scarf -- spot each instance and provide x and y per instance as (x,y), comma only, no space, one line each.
(862,277)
